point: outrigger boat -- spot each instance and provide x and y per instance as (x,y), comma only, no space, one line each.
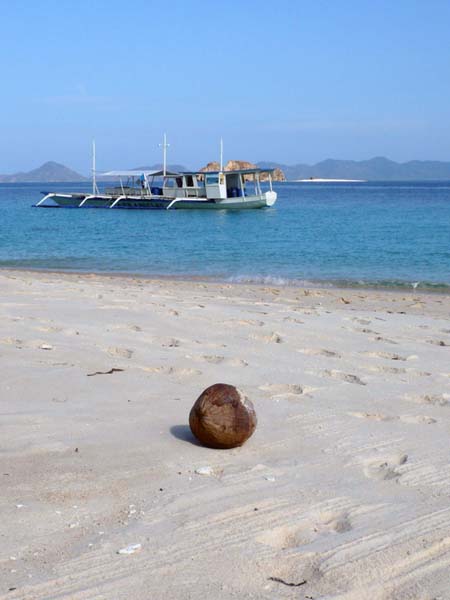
(141,189)
(156,190)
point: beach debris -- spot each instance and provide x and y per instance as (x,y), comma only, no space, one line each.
(113,370)
(46,347)
(209,471)
(345,301)
(279,580)
(131,549)
(222,417)
(269,478)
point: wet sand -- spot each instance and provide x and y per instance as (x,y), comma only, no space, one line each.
(344,485)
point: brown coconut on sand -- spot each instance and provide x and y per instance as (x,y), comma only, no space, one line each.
(222,417)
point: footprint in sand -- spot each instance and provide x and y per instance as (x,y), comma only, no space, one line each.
(237,362)
(366,330)
(13,342)
(393,370)
(53,329)
(215,360)
(417,419)
(122,352)
(371,416)
(305,532)
(171,343)
(361,321)
(337,522)
(218,360)
(294,320)
(319,352)
(389,356)
(269,338)
(380,338)
(347,377)
(289,536)
(245,322)
(173,371)
(433,399)
(385,469)
(282,389)
(439,343)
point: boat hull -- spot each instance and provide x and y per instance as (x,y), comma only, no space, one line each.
(156,202)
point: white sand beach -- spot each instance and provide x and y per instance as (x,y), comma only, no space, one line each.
(343,490)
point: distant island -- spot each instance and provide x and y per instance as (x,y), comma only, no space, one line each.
(48,172)
(375,169)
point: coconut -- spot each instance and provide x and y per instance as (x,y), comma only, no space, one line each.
(222,417)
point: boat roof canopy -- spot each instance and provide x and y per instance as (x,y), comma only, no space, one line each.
(138,173)
(160,173)
(239,171)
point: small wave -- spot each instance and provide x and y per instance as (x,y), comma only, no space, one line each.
(339,283)
(269,280)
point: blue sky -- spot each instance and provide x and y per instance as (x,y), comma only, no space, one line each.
(290,81)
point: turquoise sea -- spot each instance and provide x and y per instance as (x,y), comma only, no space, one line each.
(369,234)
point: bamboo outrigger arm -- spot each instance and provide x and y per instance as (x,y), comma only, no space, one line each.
(117,200)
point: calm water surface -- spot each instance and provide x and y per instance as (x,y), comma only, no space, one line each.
(353,234)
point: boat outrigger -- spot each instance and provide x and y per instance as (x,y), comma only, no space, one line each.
(158,190)
(163,189)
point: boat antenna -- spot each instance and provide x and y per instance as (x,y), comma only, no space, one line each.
(164,145)
(94,178)
(221,154)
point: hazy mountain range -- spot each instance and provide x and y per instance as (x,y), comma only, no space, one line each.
(375,169)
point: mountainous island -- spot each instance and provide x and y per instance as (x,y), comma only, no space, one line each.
(375,169)
(48,172)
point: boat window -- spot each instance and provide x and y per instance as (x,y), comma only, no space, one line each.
(189,181)
(179,181)
(212,179)
(169,183)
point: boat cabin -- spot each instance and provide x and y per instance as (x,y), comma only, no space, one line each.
(235,184)
(137,182)
(206,185)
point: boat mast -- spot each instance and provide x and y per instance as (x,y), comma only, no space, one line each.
(94,179)
(221,154)
(164,145)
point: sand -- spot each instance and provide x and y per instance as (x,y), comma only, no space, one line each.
(345,484)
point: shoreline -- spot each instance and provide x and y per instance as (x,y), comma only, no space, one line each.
(270,281)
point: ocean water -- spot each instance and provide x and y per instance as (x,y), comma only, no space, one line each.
(368,234)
